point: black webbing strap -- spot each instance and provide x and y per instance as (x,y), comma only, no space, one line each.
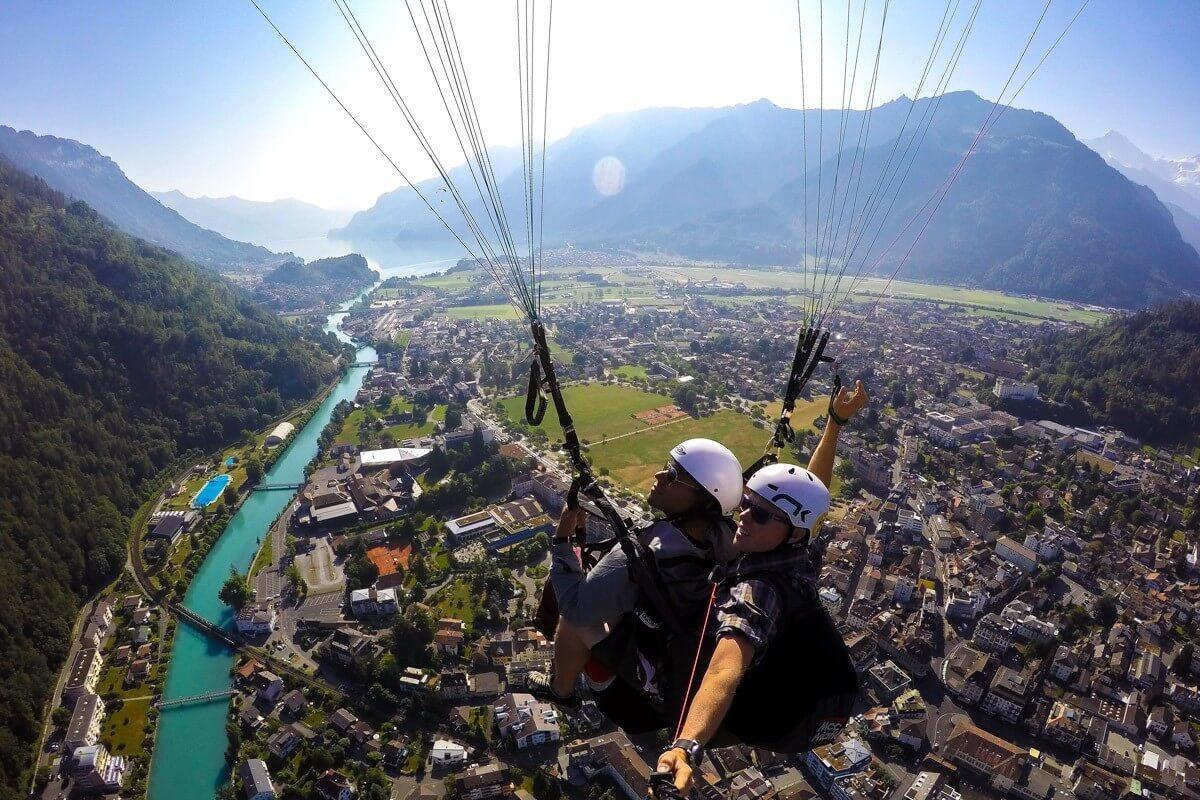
(535,401)
(837,387)
(640,562)
(810,352)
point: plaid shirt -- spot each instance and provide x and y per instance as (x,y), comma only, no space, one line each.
(750,604)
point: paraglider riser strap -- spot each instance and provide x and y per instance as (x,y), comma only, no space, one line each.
(542,382)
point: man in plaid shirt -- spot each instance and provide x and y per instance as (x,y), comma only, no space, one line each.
(781,512)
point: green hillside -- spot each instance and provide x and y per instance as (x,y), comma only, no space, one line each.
(115,358)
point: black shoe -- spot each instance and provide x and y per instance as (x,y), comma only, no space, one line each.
(543,689)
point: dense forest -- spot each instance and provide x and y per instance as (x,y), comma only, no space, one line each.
(298,286)
(1140,373)
(116,357)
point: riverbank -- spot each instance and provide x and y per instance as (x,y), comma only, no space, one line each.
(189,757)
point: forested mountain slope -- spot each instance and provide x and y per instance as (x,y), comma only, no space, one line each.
(81,172)
(1140,373)
(115,358)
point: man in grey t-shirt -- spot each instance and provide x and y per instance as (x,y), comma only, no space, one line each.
(696,490)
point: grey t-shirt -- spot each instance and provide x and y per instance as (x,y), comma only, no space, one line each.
(605,594)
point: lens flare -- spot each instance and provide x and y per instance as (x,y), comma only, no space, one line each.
(608,176)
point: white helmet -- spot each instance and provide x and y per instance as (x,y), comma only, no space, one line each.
(793,490)
(713,466)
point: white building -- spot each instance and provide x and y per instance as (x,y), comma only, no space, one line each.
(1015,390)
(84,728)
(280,433)
(256,619)
(525,722)
(447,753)
(97,770)
(1016,553)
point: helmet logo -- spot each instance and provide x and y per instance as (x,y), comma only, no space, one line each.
(798,509)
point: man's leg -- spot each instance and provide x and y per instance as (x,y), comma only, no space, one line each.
(571,654)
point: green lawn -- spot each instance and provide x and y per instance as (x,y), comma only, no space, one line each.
(599,410)
(631,372)
(804,415)
(402,337)
(981,301)
(350,433)
(456,600)
(264,557)
(453,282)
(123,731)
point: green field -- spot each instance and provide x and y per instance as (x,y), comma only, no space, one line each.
(454,282)
(497,311)
(599,410)
(633,460)
(631,372)
(402,338)
(803,416)
(123,731)
(351,433)
(637,287)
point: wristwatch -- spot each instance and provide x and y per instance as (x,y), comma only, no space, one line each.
(691,748)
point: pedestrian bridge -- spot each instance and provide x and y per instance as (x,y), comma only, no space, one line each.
(195,699)
(277,487)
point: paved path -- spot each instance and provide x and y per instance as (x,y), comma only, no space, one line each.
(269,581)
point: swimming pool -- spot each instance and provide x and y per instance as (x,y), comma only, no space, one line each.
(210,491)
(229,462)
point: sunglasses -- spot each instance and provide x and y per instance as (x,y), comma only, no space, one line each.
(761,515)
(677,475)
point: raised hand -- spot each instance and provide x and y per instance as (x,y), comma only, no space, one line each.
(848,403)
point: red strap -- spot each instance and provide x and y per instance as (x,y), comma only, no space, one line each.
(687,697)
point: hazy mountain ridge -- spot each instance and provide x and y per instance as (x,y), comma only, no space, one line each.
(1034,210)
(79,171)
(260,222)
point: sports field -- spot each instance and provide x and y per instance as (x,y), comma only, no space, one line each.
(634,451)
(631,371)
(633,460)
(599,410)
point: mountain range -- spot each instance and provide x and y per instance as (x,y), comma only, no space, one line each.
(1176,181)
(255,221)
(1034,210)
(81,172)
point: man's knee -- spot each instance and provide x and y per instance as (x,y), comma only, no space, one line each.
(578,637)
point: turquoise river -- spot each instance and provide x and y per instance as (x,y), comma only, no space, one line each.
(189,756)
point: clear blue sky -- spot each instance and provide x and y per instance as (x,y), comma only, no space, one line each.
(200,96)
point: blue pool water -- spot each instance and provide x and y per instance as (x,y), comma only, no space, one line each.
(229,462)
(210,491)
